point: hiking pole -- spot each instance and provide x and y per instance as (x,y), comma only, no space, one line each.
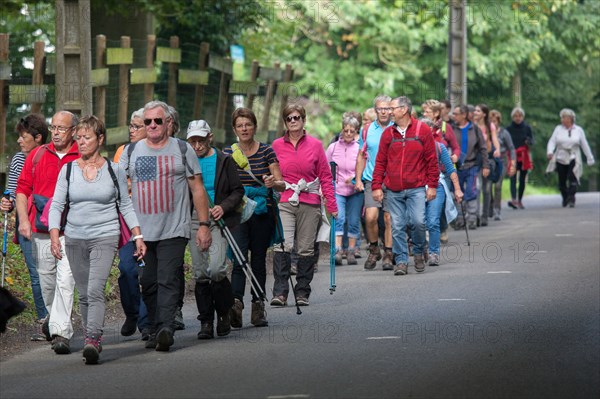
(332,285)
(6,195)
(462,207)
(241,259)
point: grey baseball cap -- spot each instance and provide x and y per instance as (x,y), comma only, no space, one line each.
(198,128)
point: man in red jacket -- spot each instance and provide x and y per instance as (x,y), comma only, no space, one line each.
(34,186)
(407,164)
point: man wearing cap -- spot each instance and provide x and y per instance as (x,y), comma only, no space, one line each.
(163,170)
(222,182)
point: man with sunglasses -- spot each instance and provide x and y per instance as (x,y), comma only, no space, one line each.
(162,175)
(34,187)
(365,164)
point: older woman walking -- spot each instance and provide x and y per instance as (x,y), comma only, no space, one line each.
(522,137)
(95,191)
(564,153)
(304,169)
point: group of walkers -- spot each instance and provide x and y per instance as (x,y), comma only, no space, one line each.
(399,176)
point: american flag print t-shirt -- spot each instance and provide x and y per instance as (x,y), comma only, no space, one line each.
(160,190)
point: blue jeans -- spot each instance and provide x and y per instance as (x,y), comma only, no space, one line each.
(406,207)
(433,214)
(129,286)
(349,209)
(38,299)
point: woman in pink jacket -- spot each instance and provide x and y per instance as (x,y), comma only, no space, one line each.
(305,170)
(344,153)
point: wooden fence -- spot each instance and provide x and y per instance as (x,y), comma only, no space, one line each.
(267,83)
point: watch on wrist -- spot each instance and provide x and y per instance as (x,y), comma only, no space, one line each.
(207,224)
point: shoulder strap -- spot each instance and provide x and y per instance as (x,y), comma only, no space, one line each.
(129,149)
(38,155)
(183,149)
(114,179)
(364,137)
(69,168)
(239,154)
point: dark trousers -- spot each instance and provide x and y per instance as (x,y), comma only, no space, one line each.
(129,286)
(513,182)
(213,296)
(161,280)
(253,236)
(567,182)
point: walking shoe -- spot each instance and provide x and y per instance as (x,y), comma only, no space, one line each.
(387,263)
(223,325)
(350,258)
(150,342)
(92,349)
(37,337)
(206,330)
(46,329)
(60,345)
(338,258)
(520,205)
(434,259)
(484,222)
(344,253)
(178,323)
(400,269)
(373,257)
(357,253)
(164,339)
(419,264)
(129,326)
(145,334)
(258,317)
(513,204)
(235,313)
(460,225)
(444,237)
(302,301)
(472,225)
(279,300)
(293,269)
(497,214)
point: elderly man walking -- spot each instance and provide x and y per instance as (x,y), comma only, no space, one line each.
(34,188)
(163,170)
(407,164)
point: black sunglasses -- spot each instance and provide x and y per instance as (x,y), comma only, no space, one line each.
(293,118)
(158,121)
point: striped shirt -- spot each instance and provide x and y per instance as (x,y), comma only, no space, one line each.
(14,170)
(259,164)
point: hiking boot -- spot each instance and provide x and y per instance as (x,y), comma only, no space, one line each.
(206,330)
(338,258)
(129,326)
(302,301)
(472,225)
(419,264)
(150,342)
(145,334)
(258,317)
(357,253)
(444,237)
(373,257)
(350,258)
(92,349)
(235,313)
(164,339)
(279,300)
(387,262)
(294,269)
(513,204)
(400,269)
(60,345)
(178,323)
(434,259)
(223,325)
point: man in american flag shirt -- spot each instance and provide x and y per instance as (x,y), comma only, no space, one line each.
(161,180)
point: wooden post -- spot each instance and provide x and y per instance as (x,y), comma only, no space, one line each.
(222,104)
(3,59)
(38,70)
(264,125)
(253,78)
(100,90)
(287,77)
(202,66)
(123,86)
(516,86)
(172,85)
(149,87)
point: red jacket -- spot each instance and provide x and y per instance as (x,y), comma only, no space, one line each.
(406,163)
(42,179)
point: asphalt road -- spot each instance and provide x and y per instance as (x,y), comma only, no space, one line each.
(516,314)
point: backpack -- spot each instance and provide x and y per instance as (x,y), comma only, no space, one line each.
(364,137)
(42,205)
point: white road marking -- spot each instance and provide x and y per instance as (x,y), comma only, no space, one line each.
(536,252)
(451,299)
(501,272)
(298,395)
(563,235)
(380,338)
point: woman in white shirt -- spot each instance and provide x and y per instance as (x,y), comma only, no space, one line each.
(564,153)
